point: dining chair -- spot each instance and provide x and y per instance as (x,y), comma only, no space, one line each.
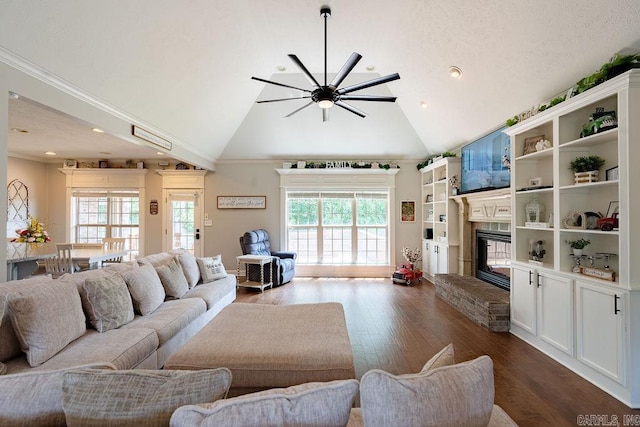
(56,266)
(113,243)
(64,253)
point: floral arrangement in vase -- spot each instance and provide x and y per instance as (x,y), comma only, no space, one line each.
(33,233)
(411,255)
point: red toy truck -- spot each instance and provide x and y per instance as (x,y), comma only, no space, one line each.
(406,274)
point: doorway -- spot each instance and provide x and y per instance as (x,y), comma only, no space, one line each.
(183,220)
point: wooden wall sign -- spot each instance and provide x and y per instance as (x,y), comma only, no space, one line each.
(242,202)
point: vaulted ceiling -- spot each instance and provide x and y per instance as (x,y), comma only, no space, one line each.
(184,67)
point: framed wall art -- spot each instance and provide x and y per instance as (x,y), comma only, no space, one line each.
(408,211)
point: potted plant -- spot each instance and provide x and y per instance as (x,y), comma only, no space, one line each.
(585,168)
(578,245)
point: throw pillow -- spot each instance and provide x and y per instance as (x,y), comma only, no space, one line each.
(453,395)
(31,313)
(443,358)
(172,278)
(311,404)
(211,268)
(145,288)
(190,268)
(34,398)
(137,398)
(107,302)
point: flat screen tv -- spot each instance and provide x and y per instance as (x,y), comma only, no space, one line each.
(485,164)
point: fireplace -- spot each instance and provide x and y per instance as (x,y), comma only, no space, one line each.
(493,257)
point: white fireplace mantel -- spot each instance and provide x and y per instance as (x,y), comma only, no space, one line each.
(486,206)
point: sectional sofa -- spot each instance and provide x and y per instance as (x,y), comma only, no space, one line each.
(124,316)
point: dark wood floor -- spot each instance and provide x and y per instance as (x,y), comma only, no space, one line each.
(398,328)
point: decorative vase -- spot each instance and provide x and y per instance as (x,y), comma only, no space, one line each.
(577,252)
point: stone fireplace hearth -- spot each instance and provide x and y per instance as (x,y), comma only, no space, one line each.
(482,215)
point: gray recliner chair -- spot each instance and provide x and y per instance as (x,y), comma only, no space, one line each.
(257,242)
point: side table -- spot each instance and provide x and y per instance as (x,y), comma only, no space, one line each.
(258,260)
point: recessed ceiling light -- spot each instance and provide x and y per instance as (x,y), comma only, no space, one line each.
(18,130)
(371,67)
(50,153)
(424,105)
(106,153)
(13,95)
(159,153)
(281,68)
(455,72)
(98,130)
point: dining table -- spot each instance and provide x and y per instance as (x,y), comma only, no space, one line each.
(22,258)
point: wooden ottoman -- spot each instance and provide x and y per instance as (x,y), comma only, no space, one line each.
(267,346)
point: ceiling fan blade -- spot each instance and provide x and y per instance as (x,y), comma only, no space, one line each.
(304,70)
(325,114)
(280,84)
(351,108)
(282,99)
(364,85)
(368,98)
(299,109)
(346,69)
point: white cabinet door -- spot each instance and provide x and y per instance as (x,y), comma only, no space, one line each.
(443,259)
(600,329)
(555,310)
(433,258)
(523,298)
(426,258)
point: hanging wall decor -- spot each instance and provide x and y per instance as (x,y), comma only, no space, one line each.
(17,201)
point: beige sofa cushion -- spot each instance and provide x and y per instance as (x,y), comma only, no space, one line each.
(311,404)
(444,357)
(453,395)
(137,398)
(170,318)
(33,313)
(172,278)
(211,268)
(145,288)
(35,398)
(10,347)
(107,302)
(189,268)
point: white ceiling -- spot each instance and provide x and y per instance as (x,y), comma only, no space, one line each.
(184,67)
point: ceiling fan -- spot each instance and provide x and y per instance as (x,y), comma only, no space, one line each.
(328,94)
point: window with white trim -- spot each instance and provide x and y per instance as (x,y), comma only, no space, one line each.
(98,214)
(339,227)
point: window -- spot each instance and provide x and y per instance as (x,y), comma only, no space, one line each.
(99,214)
(339,228)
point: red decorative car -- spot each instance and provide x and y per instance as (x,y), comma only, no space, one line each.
(406,274)
(608,224)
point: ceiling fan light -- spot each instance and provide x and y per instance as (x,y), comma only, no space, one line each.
(325,103)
